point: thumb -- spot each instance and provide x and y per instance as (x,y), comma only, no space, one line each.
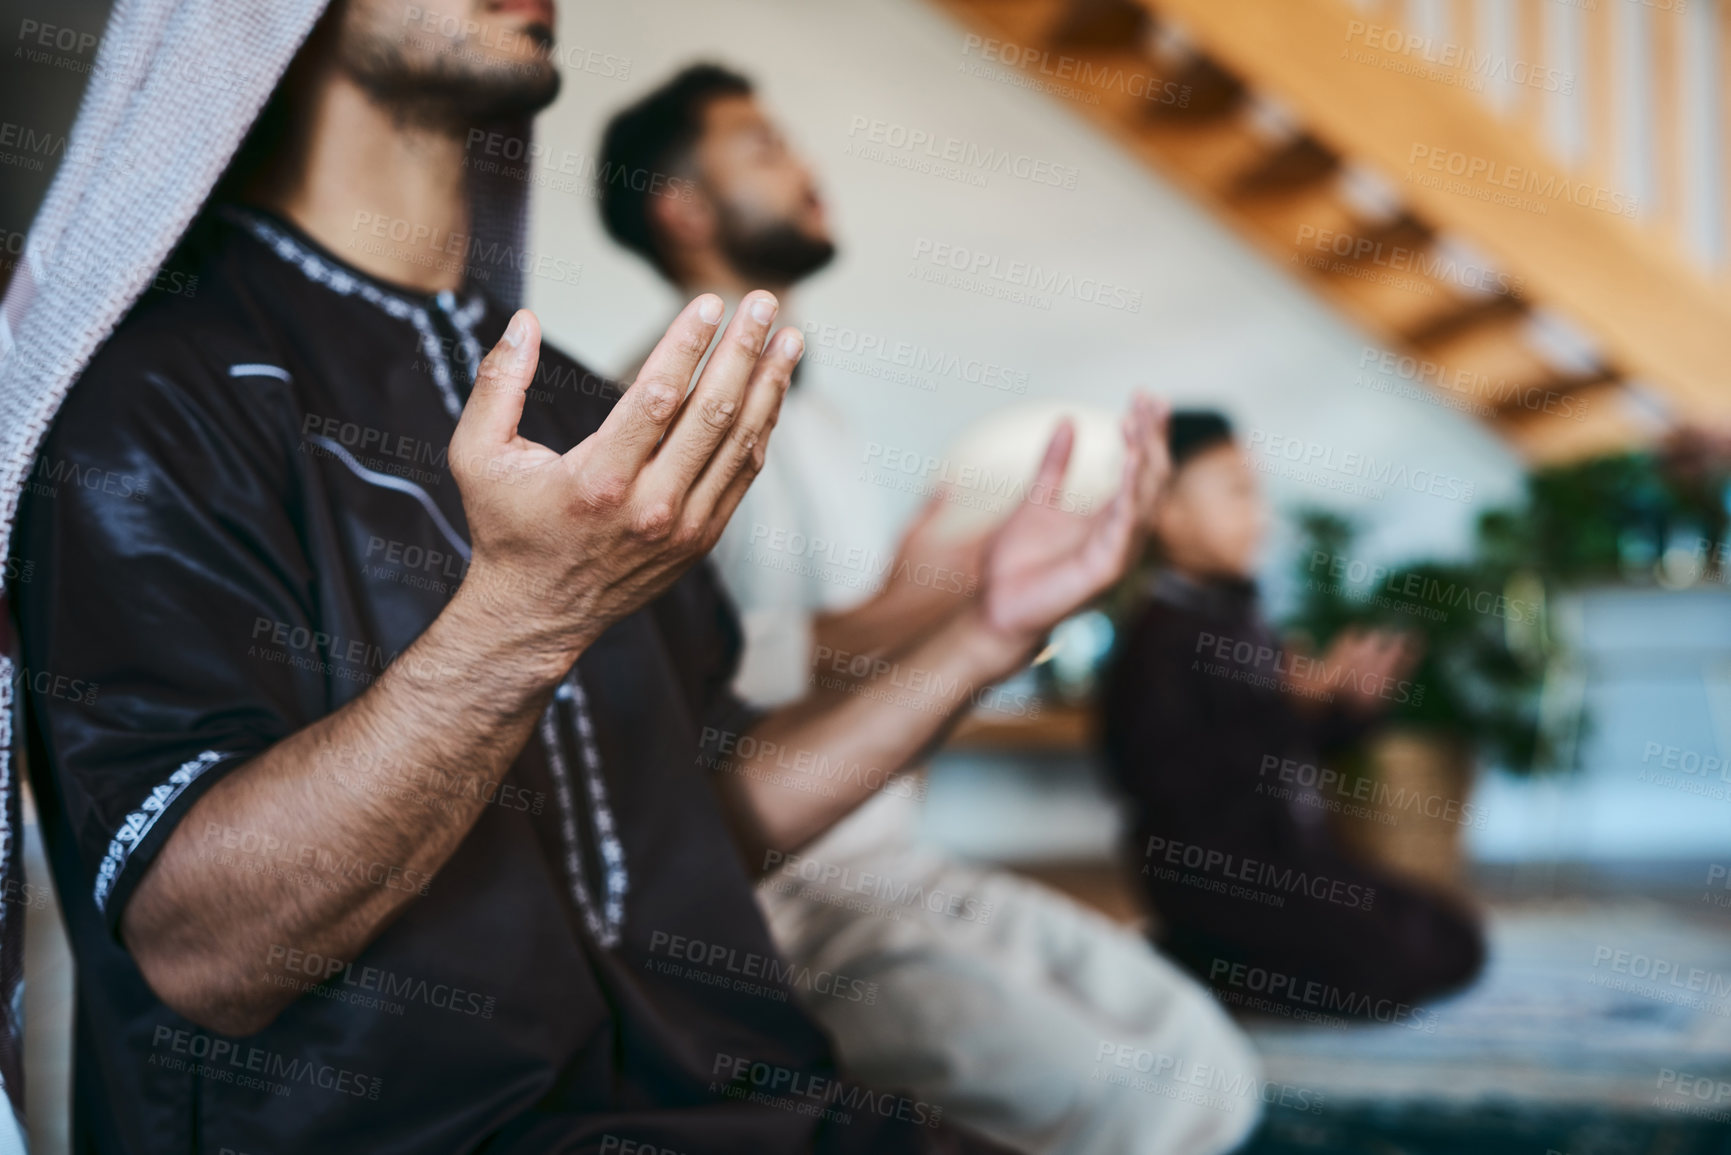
(929,513)
(1054,463)
(495,405)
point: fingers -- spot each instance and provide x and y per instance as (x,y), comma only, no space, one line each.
(737,461)
(1157,417)
(1107,552)
(1119,533)
(729,500)
(1378,653)
(1118,530)
(711,410)
(495,406)
(1380,643)
(1375,651)
(927,517)
(1145,426)
(1400,653)
(1112,543)
(1354,648)
(1053,465)
(1132,499)
(1110,546)
(627,439)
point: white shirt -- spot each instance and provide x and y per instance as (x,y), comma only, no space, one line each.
(809,538)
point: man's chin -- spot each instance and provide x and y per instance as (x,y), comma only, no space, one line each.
(509,85)
(452,94)
(502,93)
(528,92)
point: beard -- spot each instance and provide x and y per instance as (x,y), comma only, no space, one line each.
(773,252)
(454,86)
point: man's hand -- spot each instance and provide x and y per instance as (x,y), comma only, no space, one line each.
(576,541)
(564,545)
(1042,565)
(933,577)
(932,563)
(1359,665)
(1045,563)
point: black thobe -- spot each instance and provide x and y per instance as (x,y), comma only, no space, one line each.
(1251,890)
(240,517)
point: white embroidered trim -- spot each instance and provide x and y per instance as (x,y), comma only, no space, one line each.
(137,824)
(604,923)
(320,271)
(257,369)
(400,484)
(463,320)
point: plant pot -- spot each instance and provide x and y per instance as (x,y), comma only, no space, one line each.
(1415,807)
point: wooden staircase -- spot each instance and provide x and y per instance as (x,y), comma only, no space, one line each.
(1414,179)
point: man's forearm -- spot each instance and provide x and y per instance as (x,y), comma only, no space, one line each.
(457,706)
(592,535)
(880,626)
(879,716)
(1039,566)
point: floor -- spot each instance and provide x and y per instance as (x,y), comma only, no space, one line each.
(1622,1006)
(1602,1024)
(1398,1129)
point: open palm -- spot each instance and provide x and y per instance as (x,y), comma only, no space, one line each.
(1044,563)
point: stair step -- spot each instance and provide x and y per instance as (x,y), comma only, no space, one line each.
(1581,422)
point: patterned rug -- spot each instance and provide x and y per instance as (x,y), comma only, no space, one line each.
(1365,1129)
(1597,1029)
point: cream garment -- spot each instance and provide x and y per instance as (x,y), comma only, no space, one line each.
(997,999)
(808,538)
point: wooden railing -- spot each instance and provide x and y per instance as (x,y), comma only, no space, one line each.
(1527,195)
(1621,92)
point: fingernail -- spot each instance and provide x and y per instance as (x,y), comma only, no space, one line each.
(763,310)
(792,343)
(517,330)
(710,309)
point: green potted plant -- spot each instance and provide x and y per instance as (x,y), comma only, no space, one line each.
(1477,692)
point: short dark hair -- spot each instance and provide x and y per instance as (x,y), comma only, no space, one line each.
(656,135)
(1191,432)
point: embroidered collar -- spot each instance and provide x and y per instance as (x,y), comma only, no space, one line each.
(322,268)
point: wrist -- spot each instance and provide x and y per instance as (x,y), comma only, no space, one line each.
(511,616)
(993,652)
(882,611)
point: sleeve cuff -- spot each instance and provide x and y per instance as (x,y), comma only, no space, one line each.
(145,829)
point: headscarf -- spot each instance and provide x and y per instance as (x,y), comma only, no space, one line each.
(176,86)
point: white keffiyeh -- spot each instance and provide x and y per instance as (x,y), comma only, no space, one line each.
(176,86)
